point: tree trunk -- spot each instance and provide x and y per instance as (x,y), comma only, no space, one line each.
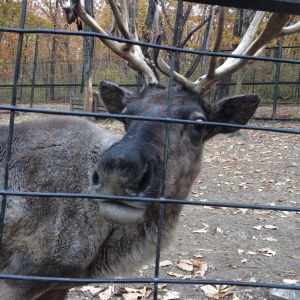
(222,89)
(70,68)
(207,37)
(52,68)
(88,57)
(241,25)
(239,81)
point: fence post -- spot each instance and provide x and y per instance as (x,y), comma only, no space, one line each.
(253,80)
(298,89)
(277,76)
(12,120)
(36,49)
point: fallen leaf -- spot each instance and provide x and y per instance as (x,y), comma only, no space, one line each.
(161,286)
(203,229)
(290,281)
(175,274)
(132,296)
(270,227)
(266,251)
(202,266)
(165,263)
(171,295)
(209,290)
(257,227)
(240,210)
(91,289)
(251,252)
(270,239)
(187,261)
(219,230)
(135,294)
(106,295)
(218,291)
(131,290)
(185,267)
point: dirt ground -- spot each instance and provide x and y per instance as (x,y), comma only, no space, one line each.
(252,167)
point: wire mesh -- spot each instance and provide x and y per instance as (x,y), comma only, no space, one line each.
(156,279)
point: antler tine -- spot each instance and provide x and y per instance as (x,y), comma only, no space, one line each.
(165,69)
(248,37)
(272,30)
(290,29)
(132,54)
(218,42)
(118,19)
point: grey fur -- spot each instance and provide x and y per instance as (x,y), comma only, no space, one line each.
(89,237)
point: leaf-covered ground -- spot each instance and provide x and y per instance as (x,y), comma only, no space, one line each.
(253,167)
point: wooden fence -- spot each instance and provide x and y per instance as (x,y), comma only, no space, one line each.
(77,103)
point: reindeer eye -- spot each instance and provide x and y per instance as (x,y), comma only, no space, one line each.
(126,123)
(199,117)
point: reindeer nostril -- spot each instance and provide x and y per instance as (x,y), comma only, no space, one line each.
(95,178)
(145,180)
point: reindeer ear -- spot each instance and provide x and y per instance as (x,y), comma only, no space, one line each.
(233,110)
(114,97)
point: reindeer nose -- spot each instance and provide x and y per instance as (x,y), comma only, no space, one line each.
(130,170)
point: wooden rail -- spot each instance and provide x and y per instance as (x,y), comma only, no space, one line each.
(77,103)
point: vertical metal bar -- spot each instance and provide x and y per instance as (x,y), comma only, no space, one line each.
(12,119)
(164,173)
(298,89)
(36,49)
(253,80)
(138,83)
(82,78)
(277,77)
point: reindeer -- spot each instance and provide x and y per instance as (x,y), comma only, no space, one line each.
(92,237)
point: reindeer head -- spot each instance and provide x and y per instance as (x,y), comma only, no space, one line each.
(133,166)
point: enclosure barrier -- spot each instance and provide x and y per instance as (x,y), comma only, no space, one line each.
(156,279)
(77,103)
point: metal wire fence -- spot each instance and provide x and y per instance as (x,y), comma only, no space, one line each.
(156,279)
(35,86)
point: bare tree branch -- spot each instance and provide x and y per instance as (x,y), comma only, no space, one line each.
(132,54)
(217,45)
(290,29)
(273,29)
(190,34)
(118,18)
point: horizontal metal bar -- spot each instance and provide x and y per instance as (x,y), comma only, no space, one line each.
(144,118)
(147,199)
(280,6)
(151,280)
(134,85)
(64,85)
(166,48)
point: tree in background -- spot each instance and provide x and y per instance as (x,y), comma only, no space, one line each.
(60,57)
(88,58)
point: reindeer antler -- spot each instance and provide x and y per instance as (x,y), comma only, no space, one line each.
(129,52)
(274,28)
